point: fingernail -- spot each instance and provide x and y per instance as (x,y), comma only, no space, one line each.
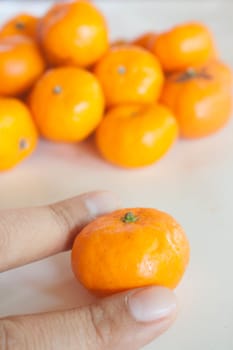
(151,304)
(99,203)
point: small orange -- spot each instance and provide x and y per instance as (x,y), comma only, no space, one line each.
(135,135)
(201,99)
(74,32)
(21,64)
(147,40)
(186,45)
(18,135)
(130,248)
(22,24)
(67,104)
(130,74)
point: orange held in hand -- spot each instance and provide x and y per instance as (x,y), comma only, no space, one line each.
(135,135)
(22,24)
(18,135)
(21,65)
(67,104)
(186,45)
(74,32)
(201,99)
(130,74)
(130,248)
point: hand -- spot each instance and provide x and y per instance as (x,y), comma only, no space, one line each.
(125,321)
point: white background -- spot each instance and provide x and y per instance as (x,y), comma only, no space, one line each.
(193,183)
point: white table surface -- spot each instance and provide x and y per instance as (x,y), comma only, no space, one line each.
(193,183)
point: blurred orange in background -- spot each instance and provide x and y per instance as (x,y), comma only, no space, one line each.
(186,45)
(73,33)
(67,104)
(129,74)
(18,135)
(21,64)
(147,40)
(21,24)
(200,98)
(135,135)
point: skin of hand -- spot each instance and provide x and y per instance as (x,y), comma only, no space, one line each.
(128,320)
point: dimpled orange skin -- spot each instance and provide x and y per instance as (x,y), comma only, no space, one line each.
(111,255)
(67,104)
(22,24)
(18,135)
(185,45)
(202,101)
(130,74)
(21,64)
(134,136)
(74,33)
(147,40)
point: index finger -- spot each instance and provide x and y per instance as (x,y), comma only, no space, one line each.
(31,234)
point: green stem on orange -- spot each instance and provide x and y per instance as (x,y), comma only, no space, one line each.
(57,89)
(20,25)
(192,73)
(121,70)
(129,217)
(23,144)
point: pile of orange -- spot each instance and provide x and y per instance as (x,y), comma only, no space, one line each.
(62,79)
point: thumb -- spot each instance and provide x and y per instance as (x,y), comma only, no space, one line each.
(124,321)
